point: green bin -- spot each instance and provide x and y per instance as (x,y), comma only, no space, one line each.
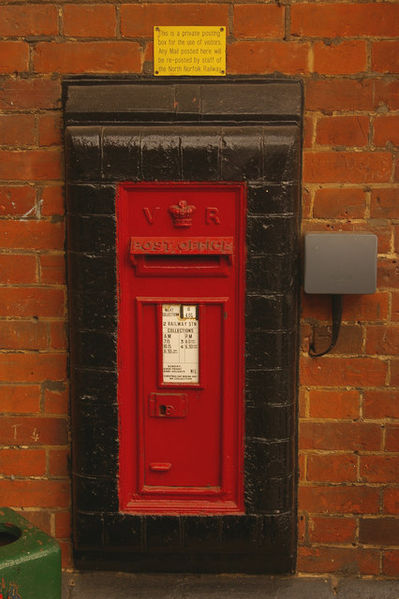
(30,560)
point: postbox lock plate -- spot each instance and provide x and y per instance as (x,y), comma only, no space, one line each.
(168,405)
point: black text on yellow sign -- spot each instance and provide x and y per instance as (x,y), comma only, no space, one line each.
(189,51)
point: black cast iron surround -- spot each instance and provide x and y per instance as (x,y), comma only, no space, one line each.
(125,129)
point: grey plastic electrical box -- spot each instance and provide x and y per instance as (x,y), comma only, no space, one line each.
(339,263)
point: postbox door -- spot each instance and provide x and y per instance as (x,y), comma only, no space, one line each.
(181,264)
(182,425)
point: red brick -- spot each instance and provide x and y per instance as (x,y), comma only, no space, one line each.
(350,340)
(382,340)
(345,20)
(149,52)
(388,273)
(347,167)
(347,561)
(58,336)
(66,554)
(390,563)
(31,368)
(339,500)
(396,238)
(382,229)
(339,203)
(31,301)
(31,234)
(395,372)
(384,203)
(385,57)
(331,468)
(343,131)
(19,94)
(58,462)
(52,268)
(22,462)
(14,56)
(52,200)
(302,402)
(346,57)
(302,528)
(32,493)
(340,435)
(392,438)
(258,21)
(306,203)
(379,468)
(379,531)
(306,333)
(341,372)
(17,334)
(20,399)
(395,306)
(302,467)
(97,20)
(308,126)
(387,93)
(22,430)
(139,20)
(62,525)
(334,404)
(17,129)
(332,530)
(16,201)
(50,126)
(30,165)
(56,402)
(391,501)
(25,273)
(381,404)
(386,130)
(266,57)
(28,20)
(315,307)
(41,519)
(338,94)
(366,308)
(89,57)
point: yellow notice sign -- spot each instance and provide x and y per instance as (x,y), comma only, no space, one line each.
(189,51)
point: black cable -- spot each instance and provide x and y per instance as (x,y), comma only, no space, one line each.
(336,309)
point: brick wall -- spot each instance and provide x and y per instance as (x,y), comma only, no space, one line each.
(348,57)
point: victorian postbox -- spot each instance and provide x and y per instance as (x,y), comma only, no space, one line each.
(178,191)
(180,345)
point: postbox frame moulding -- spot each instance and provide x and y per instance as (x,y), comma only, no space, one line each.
(241,129)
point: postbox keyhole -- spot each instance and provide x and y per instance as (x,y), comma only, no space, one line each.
(167,410)
(175,408)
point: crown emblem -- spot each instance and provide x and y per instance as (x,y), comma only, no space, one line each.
(181,214)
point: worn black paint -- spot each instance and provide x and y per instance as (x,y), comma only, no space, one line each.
(93,309)
(208,130)
(91,199)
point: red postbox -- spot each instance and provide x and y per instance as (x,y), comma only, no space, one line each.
(181,255)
